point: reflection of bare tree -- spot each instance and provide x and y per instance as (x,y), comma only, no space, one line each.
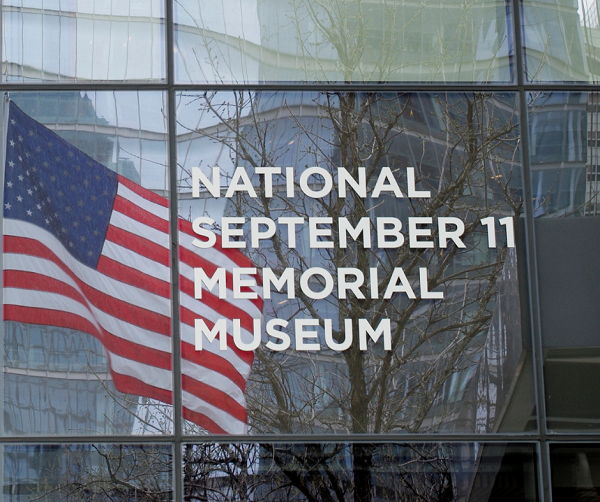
(91,473)
(318,472)
(465,149)
(345,41)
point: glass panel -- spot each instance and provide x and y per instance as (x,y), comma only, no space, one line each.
(456,360)
(560,125)
(575,471)
(450,472)
(239,41)
(83,41)
(564,164)
(86,342)
(87,472)
(561,40)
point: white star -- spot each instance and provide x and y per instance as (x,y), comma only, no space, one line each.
(30,191)
(12,143)
(9,184)
(27,154)
(13,121)
(7,205)
(11,163)
(29,213)
(20,158)
(47,221)
(39,206)
(19,198)
(20,177)
(20,138)
(27,173)
(31,133)
(71,244)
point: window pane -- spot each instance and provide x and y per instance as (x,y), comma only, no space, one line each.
(245,41)
(87,472)
(459,362)
(565,185)
(561,41)
(575,471)
(87,305)
(451,472)
(83,41)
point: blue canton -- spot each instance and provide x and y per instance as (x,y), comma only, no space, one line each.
(52,184)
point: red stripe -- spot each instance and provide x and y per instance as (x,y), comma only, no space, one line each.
(123,383)
(117,345)
(223,307)
(188,317)
(142,192)
(193,260)
(233,254)
(133,277)
(203,421)
(132,314)
(213,362)
(128,208)
(215,397)
(45,317)
(137,244)
(131,385)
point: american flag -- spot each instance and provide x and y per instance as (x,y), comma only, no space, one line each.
(87,249)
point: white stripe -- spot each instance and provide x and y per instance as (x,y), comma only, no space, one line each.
(150,375)
(223,419)
(131,259)
(160,378)
(131,333)
(212,255)
(245,306)
(213,379)
(203,310)
(243,368)
(128,224)
(122,291)
(156,209)
(121,329)
(48,301)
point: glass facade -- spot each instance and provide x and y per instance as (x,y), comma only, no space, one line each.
(428,327)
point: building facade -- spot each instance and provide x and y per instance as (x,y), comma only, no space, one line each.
(488,390)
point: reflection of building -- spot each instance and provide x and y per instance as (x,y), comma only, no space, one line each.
(487,371)
(265,40)
(74,42)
